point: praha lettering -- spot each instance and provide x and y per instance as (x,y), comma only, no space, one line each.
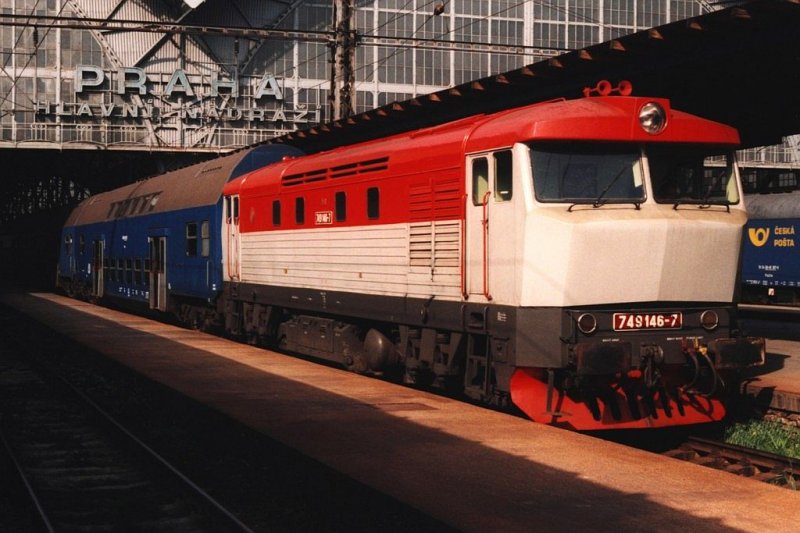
(134,80)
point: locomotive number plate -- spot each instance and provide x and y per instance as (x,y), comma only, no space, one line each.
(637,321)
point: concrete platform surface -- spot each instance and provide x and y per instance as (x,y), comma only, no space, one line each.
(777,383)
(471,468)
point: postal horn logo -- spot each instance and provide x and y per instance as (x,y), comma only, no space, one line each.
(758,236)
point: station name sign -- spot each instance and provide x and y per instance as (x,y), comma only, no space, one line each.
(134,79)
(176,95)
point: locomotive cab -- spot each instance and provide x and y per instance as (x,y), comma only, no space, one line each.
(628,247)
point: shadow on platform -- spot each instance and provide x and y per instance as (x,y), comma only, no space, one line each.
(461,482)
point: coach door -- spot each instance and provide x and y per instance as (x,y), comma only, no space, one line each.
(232,235)
(158,273)
(491,227)
(97,268)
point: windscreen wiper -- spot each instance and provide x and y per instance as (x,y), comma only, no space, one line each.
(705,202)
(599,200)
(702,204)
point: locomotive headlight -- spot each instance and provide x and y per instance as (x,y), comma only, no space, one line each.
(652,118)
(709,320)
(587,323)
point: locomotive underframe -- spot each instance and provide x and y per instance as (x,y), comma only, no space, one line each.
(476,347)
(443,344)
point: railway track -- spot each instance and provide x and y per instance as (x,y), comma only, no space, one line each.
(762,466)
(81,468)
(269,486)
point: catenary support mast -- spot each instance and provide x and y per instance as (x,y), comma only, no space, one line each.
(344,53)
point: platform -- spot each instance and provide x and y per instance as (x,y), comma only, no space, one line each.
(471,468)
(777,384)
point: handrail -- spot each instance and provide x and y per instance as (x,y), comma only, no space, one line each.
(485,223)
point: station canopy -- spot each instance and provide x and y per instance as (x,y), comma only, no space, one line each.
(739,66)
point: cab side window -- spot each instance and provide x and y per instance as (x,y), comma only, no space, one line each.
(480,180)
(503,176)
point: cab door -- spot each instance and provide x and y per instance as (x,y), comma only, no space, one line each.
(232,236)
(491,227)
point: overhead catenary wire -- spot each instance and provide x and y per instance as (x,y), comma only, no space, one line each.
(452,44)
(399,43)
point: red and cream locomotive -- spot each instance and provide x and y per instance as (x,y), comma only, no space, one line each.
(577,258)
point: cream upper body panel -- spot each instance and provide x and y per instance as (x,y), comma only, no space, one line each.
(577,255)
(617,254)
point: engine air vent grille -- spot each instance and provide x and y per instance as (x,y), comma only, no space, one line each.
(339,171)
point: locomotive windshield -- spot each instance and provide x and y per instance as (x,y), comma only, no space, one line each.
(691,174)
(587,173)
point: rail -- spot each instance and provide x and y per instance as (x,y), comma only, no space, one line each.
(75,460)
(762,466)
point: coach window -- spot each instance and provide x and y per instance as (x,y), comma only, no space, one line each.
(503,182)
(228,212)
(205,239)
(480,179)
(373,203)
(191,239)
(81,244)
(68,244)
(137,271)
(341,206)
(128,271)
(276,212)
(299,210)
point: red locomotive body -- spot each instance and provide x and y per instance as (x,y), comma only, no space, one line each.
(545,255)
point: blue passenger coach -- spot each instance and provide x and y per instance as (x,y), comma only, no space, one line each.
(771,249)
(156,242)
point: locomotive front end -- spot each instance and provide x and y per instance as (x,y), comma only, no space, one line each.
(631,247)
(646,366)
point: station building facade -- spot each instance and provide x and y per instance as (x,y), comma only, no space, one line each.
(112,76)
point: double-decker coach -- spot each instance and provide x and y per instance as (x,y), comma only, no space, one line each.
(156,243)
